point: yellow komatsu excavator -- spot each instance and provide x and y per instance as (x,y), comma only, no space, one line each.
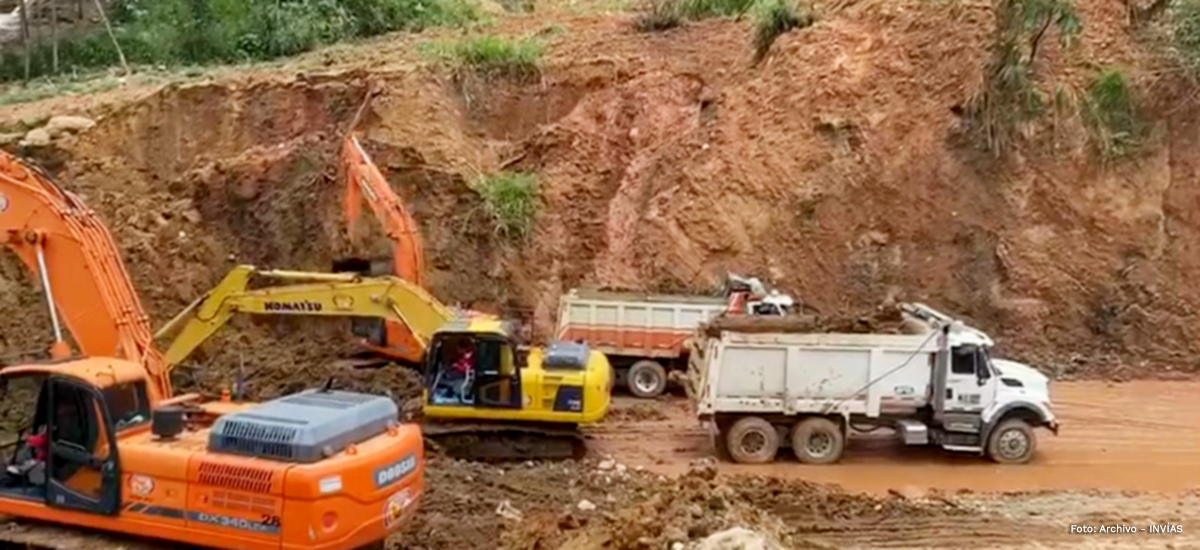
(485,397)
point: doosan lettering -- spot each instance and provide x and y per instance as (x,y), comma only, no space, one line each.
(387,475)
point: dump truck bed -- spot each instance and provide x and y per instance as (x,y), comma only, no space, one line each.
(789,374)
(637,325)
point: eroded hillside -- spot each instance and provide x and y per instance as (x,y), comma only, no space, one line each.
(839,169)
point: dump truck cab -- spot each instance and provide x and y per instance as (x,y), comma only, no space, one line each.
(317,469)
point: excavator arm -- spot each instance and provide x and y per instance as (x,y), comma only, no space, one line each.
(365,182)
(73,255)
(314,294)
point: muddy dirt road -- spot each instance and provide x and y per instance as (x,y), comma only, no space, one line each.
(1140,436)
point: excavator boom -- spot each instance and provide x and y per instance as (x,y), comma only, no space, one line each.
(365,182)
(313,294)
(79,266)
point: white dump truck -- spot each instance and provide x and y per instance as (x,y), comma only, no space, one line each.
(938,385)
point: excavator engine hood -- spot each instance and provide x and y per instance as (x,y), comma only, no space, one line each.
(305,427)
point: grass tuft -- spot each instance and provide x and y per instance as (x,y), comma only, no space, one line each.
(1185,33)
(1112,116)
(1009,97)
(662,15)
(701,9)
(511,202)
(772,18)
(491,55)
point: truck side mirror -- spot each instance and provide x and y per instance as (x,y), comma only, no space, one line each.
(982,374)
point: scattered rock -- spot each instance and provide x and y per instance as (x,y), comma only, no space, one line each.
(10,138)
(68,124)
(567,521)
(736,538)
(37,137)
(704,468)
(675,534)
(507,511)
(607,464)
(586,505)
(31,122)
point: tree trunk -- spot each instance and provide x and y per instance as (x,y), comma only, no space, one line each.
(54,35)
(25,33)
(113,37)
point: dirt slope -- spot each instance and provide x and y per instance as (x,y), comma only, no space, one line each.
(836,169)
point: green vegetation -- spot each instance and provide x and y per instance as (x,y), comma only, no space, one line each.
(773,18)
(50,87)
(1009,96)
(491,55)
(191,32)
(511,202)
(1111,115)
(700,9)
(667,14)
(1185,33)
(661,15)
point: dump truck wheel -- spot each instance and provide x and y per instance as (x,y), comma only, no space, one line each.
(646,379)
(818,440)
(752,440)
(1012,442)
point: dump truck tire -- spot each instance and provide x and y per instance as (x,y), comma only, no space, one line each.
(1012,442)
(752,440)
(818,440)
(646,379)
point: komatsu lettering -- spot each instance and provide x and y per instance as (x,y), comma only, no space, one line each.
(305,306)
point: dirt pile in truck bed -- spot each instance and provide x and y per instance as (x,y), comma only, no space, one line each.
(884,320)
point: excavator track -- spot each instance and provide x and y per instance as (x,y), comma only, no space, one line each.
(505,442)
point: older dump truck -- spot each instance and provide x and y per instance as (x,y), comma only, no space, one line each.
(644,335)
(810,391)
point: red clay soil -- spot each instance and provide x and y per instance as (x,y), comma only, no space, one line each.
(837,170)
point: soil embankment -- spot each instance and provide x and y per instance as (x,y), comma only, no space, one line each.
(837,170)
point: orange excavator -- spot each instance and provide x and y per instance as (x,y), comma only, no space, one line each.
(111,447)
(364,182)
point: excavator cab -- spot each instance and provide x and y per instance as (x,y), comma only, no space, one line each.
(473,370)
(74,463)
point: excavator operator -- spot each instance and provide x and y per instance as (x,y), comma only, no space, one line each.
(30,463)
(457,377)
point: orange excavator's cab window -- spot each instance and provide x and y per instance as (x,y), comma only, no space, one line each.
(127,404)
